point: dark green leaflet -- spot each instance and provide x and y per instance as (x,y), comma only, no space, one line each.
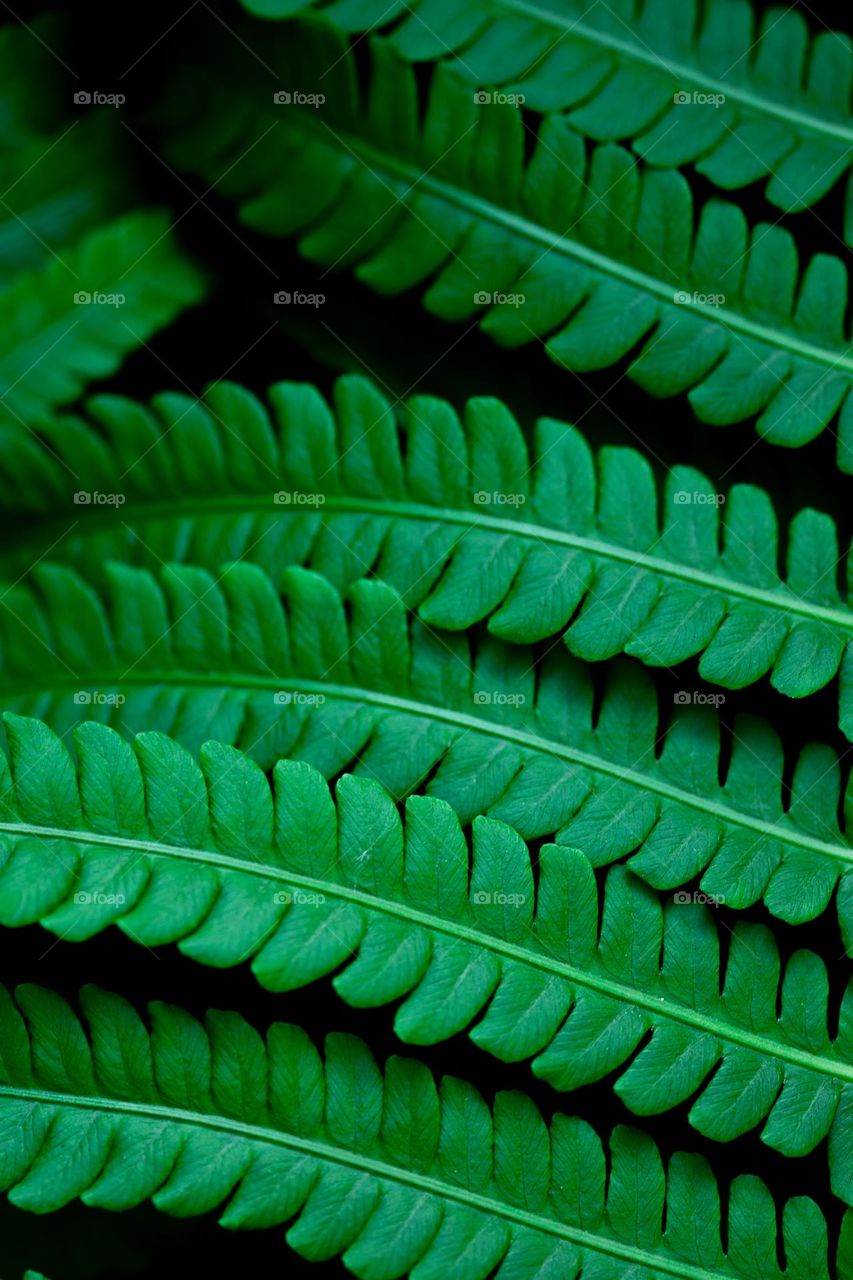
(209,857)
(595,255)
(712,85)
(203,656)
(456,515)
(388,1169)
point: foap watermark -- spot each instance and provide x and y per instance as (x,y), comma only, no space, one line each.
(692,497)
(296,698)
(696,299)
(485,299)
(489,97)
(495,498)
(83,298)
(708,899)
(497,698)
(698,98)
(293,298)
(295,98)
(487,898)
(94,498)
(84,898)
(96,698)
(695,698)
(295,498)
(298,898)
(96,98)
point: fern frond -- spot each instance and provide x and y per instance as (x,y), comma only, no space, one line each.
(705,84)
(595,255)
(462,519)
(56,189)
(210,856)
(223,657)
(393,1172)
(57,332)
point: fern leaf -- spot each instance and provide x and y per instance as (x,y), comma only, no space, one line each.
(59,327)
(55,191)
(460,519)
(201,657)
(595,255)
(705,85)
(209,856)
(395,1173)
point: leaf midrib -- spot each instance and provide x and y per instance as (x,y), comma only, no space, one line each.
(361,1162)
(415,178)
(457,719)
(762,596)
(662,63)
(659,1005)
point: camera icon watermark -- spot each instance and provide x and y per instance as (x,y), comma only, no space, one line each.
(495,498)
(95,98)
(695,698)
(497,698)
(293,298)
(485,898)
(295,98)
(490,97)
(294,498)
(94,498)
(298,898)
(684,299)
(687,497)
(696,98)
(83,298)
(96,698)
(483,298)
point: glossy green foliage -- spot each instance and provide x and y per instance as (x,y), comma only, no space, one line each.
(56,189)
(59,331)
(303,885)
(742,97)
(396,1173)
(592,253)
(465,521)
(421,707)
(356,683)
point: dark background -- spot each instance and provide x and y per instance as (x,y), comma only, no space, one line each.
(397,342)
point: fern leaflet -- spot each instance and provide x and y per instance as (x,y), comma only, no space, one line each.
(389,1170)
(223,657)
(209,856)
(459,519)
(54,192)
(700,84)
(77,317)
(595,256)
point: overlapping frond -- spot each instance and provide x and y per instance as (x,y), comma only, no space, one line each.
(593,254)
(55,188)
(741,97)
(358,684)
(464,520)
(394,1172)
(76,318)
(212,857)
